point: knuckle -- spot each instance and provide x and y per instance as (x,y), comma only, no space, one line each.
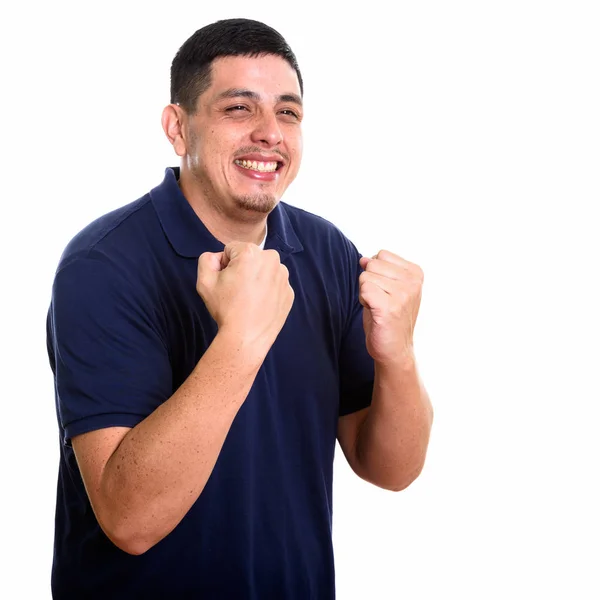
(371,265)
(419,273)
(415,272)
(271,255)
(403,297)
(245,249)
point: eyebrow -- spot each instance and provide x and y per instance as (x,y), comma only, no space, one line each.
(244,93)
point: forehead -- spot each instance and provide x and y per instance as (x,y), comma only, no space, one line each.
(269,75)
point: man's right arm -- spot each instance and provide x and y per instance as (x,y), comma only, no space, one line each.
(141,481)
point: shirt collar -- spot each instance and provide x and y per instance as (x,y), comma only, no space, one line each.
(189,236)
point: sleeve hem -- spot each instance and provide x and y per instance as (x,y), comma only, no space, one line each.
(360,399)
(88,424)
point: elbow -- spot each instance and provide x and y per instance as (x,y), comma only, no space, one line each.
(130,539)
(404,479)
(132,526)
(394,478)
(130,543)
(404,483)
(388,482)
(132,546)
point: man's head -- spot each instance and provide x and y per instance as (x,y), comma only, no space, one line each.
(235,114)
(191,67)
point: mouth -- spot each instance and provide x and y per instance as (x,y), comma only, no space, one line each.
(260,166)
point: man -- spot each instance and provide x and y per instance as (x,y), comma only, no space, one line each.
(209,343)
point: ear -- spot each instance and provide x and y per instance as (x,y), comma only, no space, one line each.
(173,124)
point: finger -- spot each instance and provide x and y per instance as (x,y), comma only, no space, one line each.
(271,255)
(235,250)
(372,296)
(209,265)
(414,270)
(284,270)
(210,261)
(385,283)
(387,269)
(390,257)
(364,261)
(224,260)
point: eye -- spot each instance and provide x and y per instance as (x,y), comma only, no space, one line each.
(237,107)
(286,112)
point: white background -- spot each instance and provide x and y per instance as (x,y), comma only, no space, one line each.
(465,136)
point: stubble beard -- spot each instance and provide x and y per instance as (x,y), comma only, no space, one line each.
(261,204)
(258,203)
(249,203)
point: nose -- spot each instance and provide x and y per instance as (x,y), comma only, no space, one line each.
(267,130)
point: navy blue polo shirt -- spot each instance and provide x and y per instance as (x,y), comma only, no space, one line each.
(125,329)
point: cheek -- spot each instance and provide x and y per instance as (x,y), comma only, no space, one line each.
(296,154)
(298,147)
(217,152)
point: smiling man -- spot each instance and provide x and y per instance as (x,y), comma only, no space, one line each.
(210,343)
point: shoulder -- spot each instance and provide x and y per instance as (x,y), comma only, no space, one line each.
(110,235)
(305,219)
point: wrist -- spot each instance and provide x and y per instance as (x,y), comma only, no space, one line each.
(235,344)
(403,362)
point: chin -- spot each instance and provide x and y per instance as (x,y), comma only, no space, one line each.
(258,203)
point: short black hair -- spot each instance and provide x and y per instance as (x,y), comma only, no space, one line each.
(191,67)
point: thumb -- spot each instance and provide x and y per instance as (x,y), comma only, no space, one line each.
(238,251)
(209,265)
(211,261)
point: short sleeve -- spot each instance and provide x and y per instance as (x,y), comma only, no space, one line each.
(357,369)
(110,364)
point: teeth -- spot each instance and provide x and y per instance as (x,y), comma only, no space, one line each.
(263,167)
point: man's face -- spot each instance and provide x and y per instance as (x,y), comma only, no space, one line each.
(244,144)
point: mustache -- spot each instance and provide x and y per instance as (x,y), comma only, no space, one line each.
(249,149)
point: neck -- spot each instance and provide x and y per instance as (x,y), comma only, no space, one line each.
(241,226)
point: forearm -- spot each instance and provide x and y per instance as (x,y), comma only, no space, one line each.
(392,442)
(161,466)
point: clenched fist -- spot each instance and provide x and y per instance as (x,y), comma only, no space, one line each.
(246,291)
(390,291)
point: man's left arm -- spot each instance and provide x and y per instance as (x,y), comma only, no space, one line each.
(386,443)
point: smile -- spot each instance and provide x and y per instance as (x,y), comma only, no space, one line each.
(255,165)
